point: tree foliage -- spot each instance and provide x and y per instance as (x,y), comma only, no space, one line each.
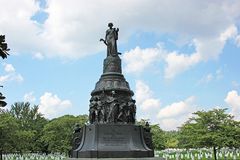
(8,128)
(57,134)
(171,139)
(30,126)
(212,128)
(24,129)
(28,117)
(158,137)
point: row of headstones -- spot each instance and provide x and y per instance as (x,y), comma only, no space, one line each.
(202,153)
(33,156)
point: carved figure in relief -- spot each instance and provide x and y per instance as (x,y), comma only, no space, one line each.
(100,111)
(122,112)
(77,136)
(93,109)
(148,136)
(132,111)
(113,108)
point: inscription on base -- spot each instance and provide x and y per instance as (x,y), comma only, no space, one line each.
(114,138)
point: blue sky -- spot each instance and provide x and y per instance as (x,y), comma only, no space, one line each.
(178,56)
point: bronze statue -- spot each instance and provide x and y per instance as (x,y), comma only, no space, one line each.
(111,40)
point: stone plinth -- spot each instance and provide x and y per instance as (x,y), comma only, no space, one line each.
(112,64)
(112,141)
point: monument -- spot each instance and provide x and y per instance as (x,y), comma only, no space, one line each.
(112,132)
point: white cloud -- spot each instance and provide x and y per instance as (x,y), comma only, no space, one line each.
(176,109)
(139,59)
(206,79)
(78,27)
(238,40)
(169,117)
(233,100)
(8,68)
(21,32)
(72,30)
(146,102)
(207,48)
(229,33)
(211,76)
(4,78)
(10,75)
(29,97)
(38,56)
(174,115)
(52,106)
(177,63)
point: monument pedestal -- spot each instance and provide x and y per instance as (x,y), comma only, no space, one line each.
(112,141)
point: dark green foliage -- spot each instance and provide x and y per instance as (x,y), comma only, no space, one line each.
(8,128)
(30,126)
(57,134)
(158,137)
(24,129)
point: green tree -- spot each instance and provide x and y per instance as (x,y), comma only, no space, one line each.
(171,139)
(25,141)
(30,123)
(28,117)
(58,132)
(212,128)
(8,128)
(158,137)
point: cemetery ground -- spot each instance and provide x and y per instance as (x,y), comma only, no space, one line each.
(167,154)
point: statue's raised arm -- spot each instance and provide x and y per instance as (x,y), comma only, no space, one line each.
(111,38)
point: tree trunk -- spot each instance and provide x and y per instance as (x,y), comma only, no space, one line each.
(1,154)
(214,153)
